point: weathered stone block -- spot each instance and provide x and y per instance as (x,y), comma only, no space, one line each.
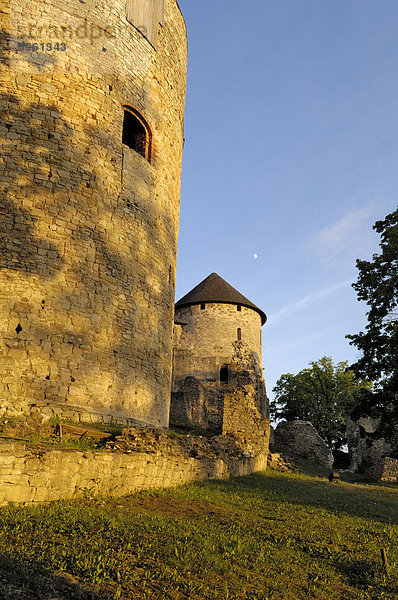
(301,438)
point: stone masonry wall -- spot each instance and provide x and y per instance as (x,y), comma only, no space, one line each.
(88,227)
(363,446)
(242,419)
(386,469)
(196,404)
(204,341)
(34,474)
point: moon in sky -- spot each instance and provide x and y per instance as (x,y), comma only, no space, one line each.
(255,256)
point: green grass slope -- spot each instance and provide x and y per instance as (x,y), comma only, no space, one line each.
(268,536)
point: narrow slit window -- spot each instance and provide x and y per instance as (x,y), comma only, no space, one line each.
(136,134)
(224,374)
(239,334)
(202,306)
(239,308)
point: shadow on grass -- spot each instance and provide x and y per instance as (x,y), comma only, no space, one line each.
(27,581)
(363,574)
(357,572)
(341,498)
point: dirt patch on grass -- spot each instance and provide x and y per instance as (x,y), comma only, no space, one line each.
(222,514)
(175,507)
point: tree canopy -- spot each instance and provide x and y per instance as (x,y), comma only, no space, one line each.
(323,393)
(377,285)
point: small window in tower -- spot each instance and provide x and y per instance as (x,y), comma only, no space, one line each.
(224,374)
(239,308)
(239,334)
(136,133)
(202,306)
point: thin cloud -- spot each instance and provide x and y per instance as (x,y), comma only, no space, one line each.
(305,302)
(284,347)
(345,240)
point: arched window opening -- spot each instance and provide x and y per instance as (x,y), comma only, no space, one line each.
(239,334)
(224,374)
(136,133)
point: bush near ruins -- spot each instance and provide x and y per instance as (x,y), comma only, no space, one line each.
(324,394)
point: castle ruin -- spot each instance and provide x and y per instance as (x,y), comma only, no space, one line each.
(92,104)
(218,381)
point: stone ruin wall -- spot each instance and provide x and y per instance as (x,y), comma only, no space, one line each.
(384,469)
(242,419)
(88,228)
(30,474)
(363,446)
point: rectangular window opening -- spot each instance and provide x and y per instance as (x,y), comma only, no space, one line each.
(224,374)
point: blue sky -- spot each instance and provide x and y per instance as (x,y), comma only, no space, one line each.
(291,153)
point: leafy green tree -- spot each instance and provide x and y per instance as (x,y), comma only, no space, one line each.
(323,393)
(377,285)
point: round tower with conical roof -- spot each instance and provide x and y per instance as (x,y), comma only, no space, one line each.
(217,368)
(92,101)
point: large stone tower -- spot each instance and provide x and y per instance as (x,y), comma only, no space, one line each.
(217,381)
(92,110)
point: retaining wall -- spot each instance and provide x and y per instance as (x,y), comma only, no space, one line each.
(33,474)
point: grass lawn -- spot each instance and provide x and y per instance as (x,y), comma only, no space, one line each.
(268,536)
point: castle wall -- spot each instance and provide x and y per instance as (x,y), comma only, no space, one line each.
(204,341)
(29,477)
(385,469)
(206,338)
(88,227)
(362,445)
(243,415)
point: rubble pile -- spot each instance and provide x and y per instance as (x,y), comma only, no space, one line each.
(277,462)
(153,441)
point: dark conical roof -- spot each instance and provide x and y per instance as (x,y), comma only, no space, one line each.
(215,289)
